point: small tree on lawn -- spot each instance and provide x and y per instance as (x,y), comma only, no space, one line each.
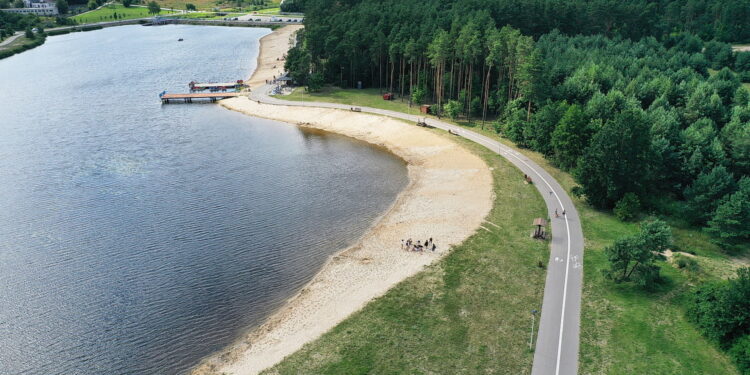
(452,108)
(627,208)
(633,258)
(190,6)
(153,7)
(315,82)
(417,96)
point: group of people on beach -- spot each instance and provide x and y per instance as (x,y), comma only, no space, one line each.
(409,245)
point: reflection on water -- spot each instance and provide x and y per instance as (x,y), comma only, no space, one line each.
(137,238)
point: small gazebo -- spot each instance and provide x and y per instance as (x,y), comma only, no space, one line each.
(284,81)
(540,224)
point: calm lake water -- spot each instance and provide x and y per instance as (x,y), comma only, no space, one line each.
(137,238)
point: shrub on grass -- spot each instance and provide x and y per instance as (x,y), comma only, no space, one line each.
(685,262)
(627,208)
(722,309)
(452,109)
(315,82)
(740,352)
(418,95)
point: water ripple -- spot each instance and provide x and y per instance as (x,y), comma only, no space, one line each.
(137,238)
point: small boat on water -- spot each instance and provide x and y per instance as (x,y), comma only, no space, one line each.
(179,40)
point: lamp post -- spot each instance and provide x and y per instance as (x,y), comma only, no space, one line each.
(533,320)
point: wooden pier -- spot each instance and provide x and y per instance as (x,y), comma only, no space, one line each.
(188,98)
(214,87)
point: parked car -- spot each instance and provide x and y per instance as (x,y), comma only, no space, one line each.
(257,19)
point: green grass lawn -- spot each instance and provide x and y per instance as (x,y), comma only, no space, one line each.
(214,4)
(106,13)
(19,45)
(15,43)
(269,11)
(469,313)
(624,330)
(365,97)
(197,15)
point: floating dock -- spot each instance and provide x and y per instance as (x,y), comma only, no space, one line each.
(188,98)
(222,86)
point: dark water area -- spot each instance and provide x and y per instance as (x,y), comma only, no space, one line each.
(137,238)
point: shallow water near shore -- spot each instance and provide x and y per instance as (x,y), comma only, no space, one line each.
(137,238)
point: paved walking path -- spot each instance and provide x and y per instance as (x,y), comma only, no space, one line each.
(558,337)
(11,38)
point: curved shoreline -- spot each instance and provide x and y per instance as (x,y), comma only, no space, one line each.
(448,196)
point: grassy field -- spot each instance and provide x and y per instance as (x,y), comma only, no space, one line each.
(467,314)
(19,45)
(624,330)
(364,97)
(215,4)
(106,13)
(270,11)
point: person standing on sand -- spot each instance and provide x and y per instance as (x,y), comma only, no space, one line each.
(433,247)
(402,244)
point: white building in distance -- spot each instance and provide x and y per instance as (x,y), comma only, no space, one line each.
(38,7)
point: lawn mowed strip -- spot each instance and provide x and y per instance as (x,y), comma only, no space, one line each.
(469,313)
(106,14)
(624,329)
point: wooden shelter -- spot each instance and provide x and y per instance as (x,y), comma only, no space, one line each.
(540,224)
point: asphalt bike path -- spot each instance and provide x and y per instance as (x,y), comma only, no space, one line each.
(556,351)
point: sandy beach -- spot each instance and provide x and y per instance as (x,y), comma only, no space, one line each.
(273,47)
(448,197)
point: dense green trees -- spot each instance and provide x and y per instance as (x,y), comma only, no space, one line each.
(706,193)
(17,22)
(62,6)
(629,106)
(731,222)
(617,160)
(570,137)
